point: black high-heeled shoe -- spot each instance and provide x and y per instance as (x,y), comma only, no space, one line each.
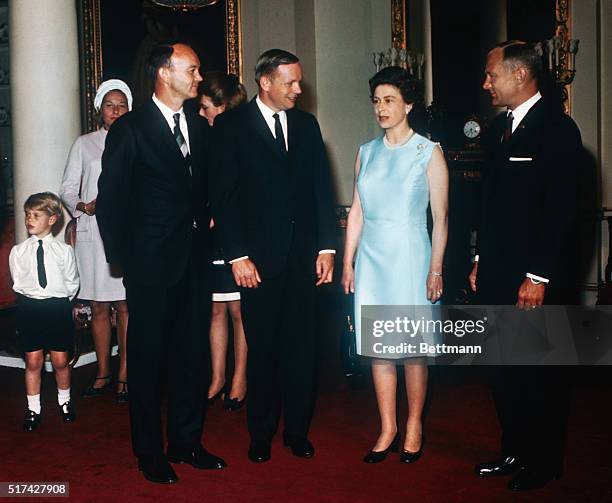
(91,391)
(232,404)
(222,394)
(378,456)
(123,395)
(412,457)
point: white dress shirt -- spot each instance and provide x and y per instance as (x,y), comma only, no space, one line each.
(519,112)
(168,114)
(268,113)
(60,269)
(518,115)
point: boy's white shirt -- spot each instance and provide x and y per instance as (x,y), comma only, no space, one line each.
(60,269)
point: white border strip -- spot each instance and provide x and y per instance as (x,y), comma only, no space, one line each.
(7,360)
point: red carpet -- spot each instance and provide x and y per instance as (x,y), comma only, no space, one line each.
(7,240)
(94,454)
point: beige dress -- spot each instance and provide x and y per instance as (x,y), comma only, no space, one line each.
(80,183)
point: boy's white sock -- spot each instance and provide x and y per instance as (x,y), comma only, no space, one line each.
(34,403)
(63,396)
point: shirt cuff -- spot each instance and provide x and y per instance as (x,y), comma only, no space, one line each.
(237,259)
(537,279)
(327,251)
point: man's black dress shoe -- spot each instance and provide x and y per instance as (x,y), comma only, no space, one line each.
(67,412)
(525,480)
(506,465)
(259,451)
(198,457)
(378,456)
(157,469)
(300,446)
(31,421)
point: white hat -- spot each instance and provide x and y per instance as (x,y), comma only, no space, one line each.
(112,85)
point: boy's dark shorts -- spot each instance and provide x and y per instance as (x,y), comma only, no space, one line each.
(44,324)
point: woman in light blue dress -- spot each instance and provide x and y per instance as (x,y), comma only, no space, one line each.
(397,176)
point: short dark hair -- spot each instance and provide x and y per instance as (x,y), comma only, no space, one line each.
(409,87)
(516,53)
(270,60)
(222,89)
(159,57)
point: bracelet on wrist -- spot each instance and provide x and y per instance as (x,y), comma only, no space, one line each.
(435,273)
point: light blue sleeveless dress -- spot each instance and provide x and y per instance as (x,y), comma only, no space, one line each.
(394,250)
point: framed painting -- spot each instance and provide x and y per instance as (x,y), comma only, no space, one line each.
(115,37)
(457,79)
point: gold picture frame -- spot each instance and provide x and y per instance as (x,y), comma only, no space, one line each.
(90,43)
(399,34)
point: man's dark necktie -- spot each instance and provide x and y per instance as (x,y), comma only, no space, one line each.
(278,131)
(40,265)
(180,140)
(508,131)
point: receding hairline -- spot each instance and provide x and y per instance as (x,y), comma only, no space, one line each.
(509,43)
(181,49)
(275,71)
(509,63)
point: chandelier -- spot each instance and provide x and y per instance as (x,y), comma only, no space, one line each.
(559,52)
(184,5)
(412,62)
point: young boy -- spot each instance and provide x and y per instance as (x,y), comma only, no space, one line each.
(45,279)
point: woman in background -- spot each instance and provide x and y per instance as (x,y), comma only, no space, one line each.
(397,176)
(219,92)
(99,284)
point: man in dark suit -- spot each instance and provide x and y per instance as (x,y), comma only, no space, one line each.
(529,209)
(273,206)
(152,213)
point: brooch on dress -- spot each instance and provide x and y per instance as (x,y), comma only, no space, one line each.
(420,148)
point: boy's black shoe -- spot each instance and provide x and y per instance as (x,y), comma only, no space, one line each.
(67,412)
(31,420)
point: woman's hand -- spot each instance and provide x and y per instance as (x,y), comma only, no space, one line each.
(348,279)
(87,208)
(435,287)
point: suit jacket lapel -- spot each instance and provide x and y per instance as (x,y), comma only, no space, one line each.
(196,141)
(161,130)
(292,133)
(530,121)
(263,131)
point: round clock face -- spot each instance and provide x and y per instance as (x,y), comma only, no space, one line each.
(471,129)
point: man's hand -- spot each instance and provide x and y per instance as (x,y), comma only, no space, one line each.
(325,268)
(245,273)
(472,277)
(530,295)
